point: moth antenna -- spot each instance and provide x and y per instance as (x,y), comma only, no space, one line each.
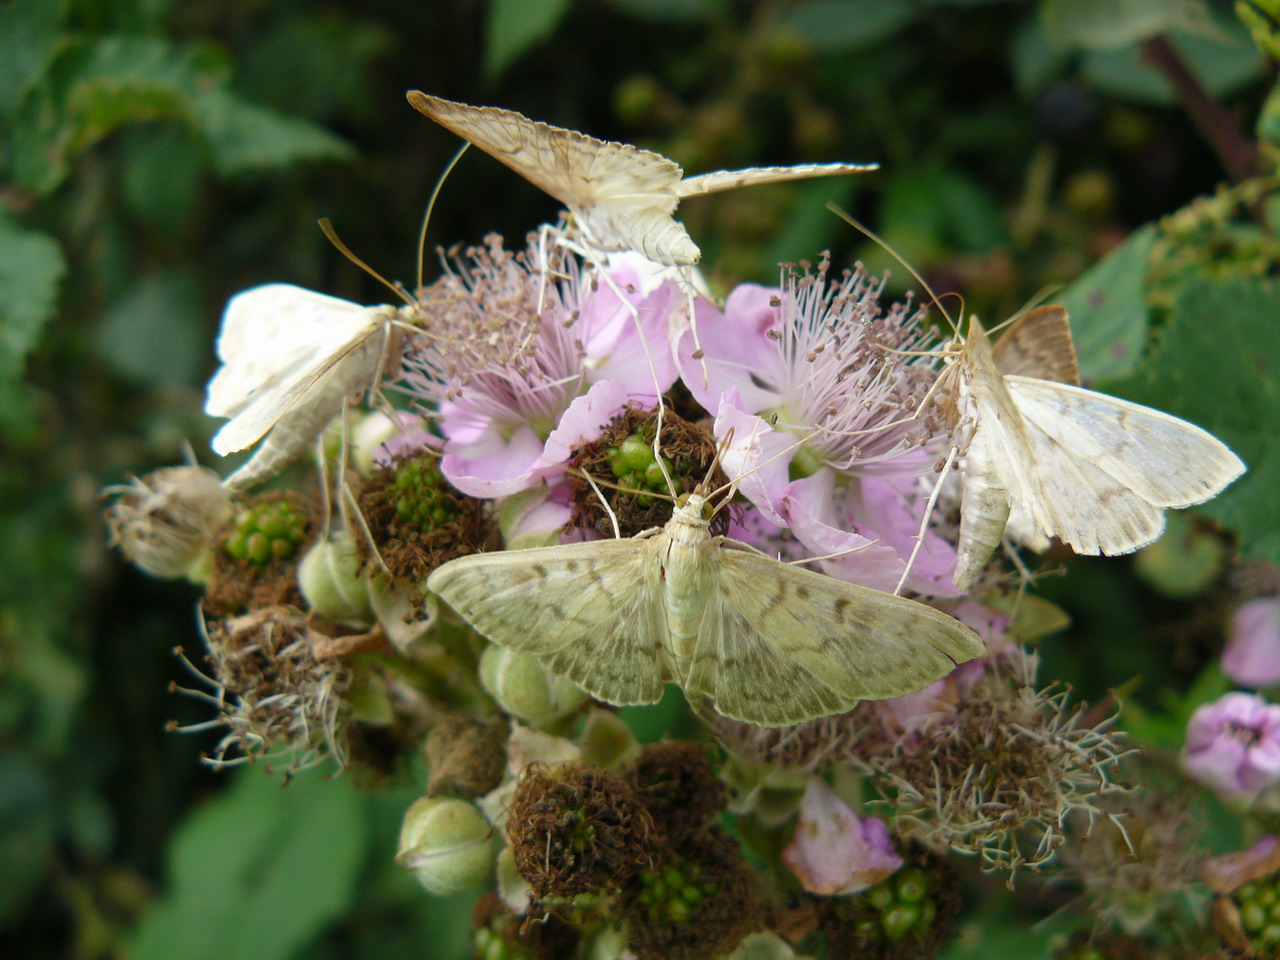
(924,523)
(1037,298)
(836,555)
(619,487)
(613,517)
(326,227)
(431,205)
(873,236)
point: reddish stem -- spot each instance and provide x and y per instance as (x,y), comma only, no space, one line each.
(1238,153)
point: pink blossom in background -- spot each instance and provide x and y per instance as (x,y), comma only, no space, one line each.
(1233,744)
(517,389)
(834,852)
(1252,657)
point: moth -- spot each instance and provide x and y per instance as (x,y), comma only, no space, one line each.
(1094,471)
(764,641)
(290,357)
(621,196)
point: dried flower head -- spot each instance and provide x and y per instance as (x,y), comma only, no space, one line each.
(255,559)
(279,700)
(578,831)
(1138,865)
(501,933)
(999,777)
(696,903)
(165,522)
(678,785)
(908,916)
(417,520)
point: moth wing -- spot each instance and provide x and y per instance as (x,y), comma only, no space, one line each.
(319,383)
(592,611)
(270,332)
(780,644)
(1167,461)
(1039,344)
(576,169)
(733,179)
(984,508)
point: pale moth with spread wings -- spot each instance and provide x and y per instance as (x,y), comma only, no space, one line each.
(766,642)
(289,358)
(1094,471)
(621,196)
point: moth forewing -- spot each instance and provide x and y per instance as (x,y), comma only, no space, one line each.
(622,196)
(766,642)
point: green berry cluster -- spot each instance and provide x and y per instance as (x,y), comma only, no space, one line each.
(636,468)
(267,531)
(420,498)
(1259,904)
(900,905)
(672,893)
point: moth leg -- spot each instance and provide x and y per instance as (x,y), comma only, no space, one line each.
(924,522)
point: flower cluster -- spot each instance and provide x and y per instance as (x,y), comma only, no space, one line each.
(553,402)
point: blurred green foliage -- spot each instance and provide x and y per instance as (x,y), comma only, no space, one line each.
(157,157)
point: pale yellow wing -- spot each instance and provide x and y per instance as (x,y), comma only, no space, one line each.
(780,644)
(592,611)
(578,170)
(1098,472)
(733,179)
(1038,344)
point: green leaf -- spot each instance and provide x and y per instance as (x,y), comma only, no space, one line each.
(31,270)
(1108,309)
(1216,367)
(29,38)
(1108,24)
(839,26)
(154,334)
(258,872)
(671,11)
(94,88)
(516,25)
(1223,64)
(243,137)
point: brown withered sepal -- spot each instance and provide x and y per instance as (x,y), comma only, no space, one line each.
(579,830)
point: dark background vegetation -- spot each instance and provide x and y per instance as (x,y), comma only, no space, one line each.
(160,156)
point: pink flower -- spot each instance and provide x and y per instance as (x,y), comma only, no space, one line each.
(833,851)
(1252,657)
(821,419)
(1233,744)
(524,365)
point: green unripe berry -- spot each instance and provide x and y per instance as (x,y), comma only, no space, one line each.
(446,843)
(525,688)
(911,885)
(330,579)
(1253,916)
(265,532)
(880,896)
(898,920)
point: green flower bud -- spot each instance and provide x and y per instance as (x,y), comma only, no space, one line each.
(525,689)
(446,843)
(331,581)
